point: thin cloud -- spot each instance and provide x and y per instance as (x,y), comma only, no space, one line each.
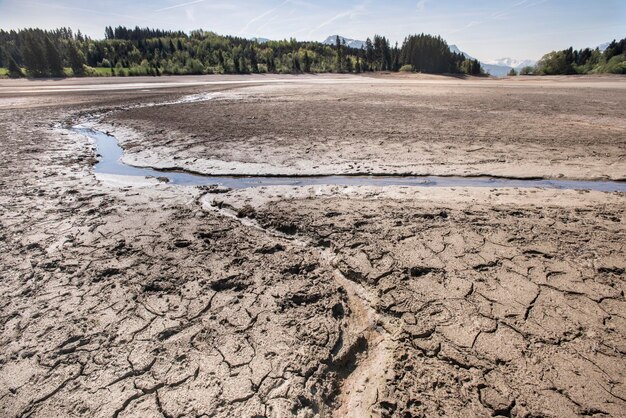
(82,9)
(332,19)
(506,11)
(421,4)
(262,15)
(190,15)
(176,6)
(271,20)
(536,3)
(469,25)
(501,13)
(348,13)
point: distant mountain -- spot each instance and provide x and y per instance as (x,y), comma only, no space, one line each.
(497,68)
(352,43)
(512,63)
(456,50)
(260,40)
(604,46)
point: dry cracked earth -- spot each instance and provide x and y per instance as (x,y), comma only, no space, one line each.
(123,299)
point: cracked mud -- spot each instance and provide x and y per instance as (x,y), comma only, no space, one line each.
(483,310)
(137,298)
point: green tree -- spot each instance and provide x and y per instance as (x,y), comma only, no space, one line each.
(53,58)
(396,58)
(339,57)
(34,58)
(512,73)
(271,63)
(307,62)
(553,63)
(14,70)
(430,54)
(295,64)
(76,59)
(349,65)
(254,62)
(476,70)
(527,70)
(221,60)
(369,53)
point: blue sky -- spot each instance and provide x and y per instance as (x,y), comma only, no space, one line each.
(486,29)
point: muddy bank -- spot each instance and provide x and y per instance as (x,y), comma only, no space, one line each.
(442,127)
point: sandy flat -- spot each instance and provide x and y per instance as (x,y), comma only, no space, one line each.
(391,125)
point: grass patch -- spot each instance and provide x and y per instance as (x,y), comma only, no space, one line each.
(101,71)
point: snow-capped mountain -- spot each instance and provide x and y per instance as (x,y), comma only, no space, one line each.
(456,50)
(512,63)
(352,43)
(497,68)
(604,46)
(259,40)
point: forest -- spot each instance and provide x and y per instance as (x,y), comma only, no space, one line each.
(144,51)
(585,61)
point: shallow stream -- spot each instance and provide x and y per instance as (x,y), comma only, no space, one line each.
(111,153)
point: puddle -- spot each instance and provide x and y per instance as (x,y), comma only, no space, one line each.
(110,163)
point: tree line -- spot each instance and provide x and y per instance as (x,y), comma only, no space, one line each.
(145,51)
(585,61)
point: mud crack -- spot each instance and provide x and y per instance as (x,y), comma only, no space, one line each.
(359,361)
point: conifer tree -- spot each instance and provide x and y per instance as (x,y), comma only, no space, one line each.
(272,64)
(220,59)
(295,64)
(369,53)
(254,63)
(236,64)
(14,70)
(76,59)
(108,33)
(339,58)
(53,59)
(34,58)
(475,67)
(307,62)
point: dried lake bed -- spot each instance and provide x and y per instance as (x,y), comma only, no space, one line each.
(131,296)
